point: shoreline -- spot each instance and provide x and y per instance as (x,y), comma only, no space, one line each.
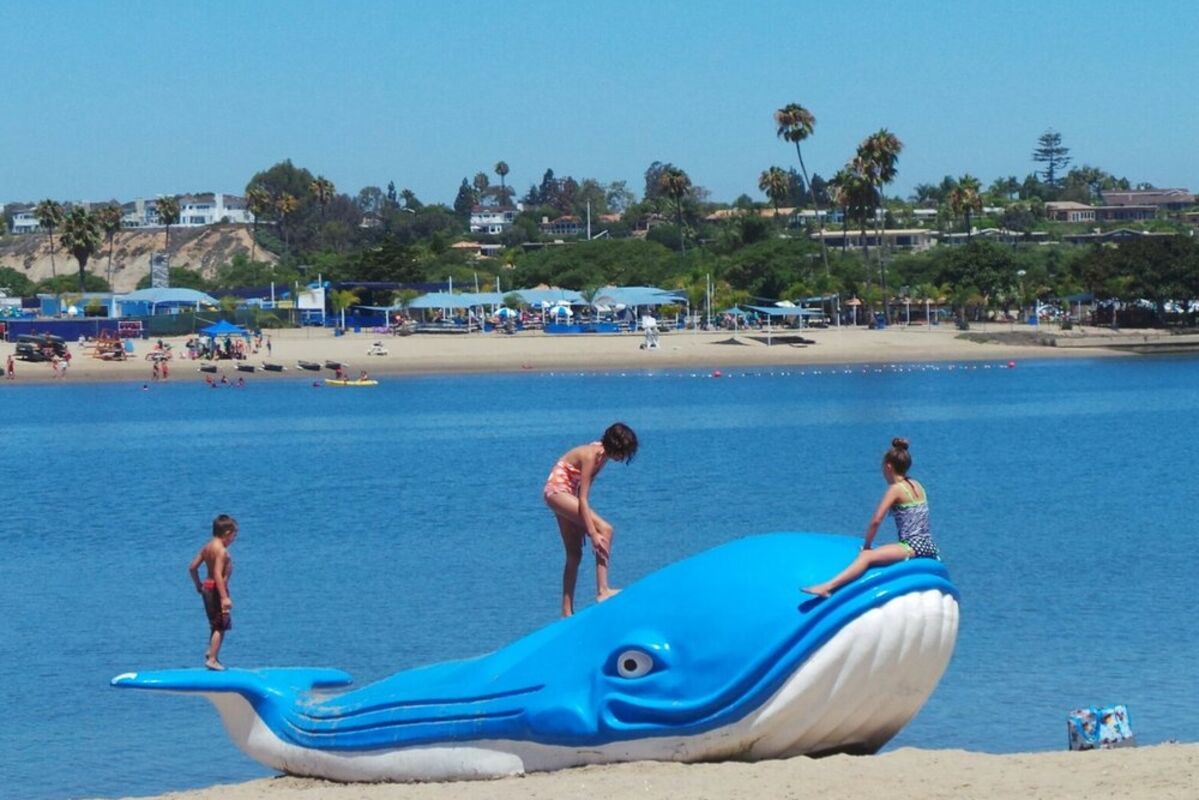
(432,354)
(1138,773)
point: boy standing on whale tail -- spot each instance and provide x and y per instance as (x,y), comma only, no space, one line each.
(215,589)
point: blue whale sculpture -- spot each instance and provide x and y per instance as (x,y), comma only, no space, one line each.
(715,657)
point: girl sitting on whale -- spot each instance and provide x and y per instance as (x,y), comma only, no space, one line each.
(907,501)
(566,493)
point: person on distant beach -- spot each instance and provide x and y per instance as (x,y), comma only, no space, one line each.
(215,588)
(268,344)
(155,371)
(10,369)
(363,376)
(566,493)
(907,501)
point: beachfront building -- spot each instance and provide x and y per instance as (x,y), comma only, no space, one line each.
(492,220)
(25,221)
(1165,199)
(211,208)
(1069,211)
(566,225)
(914,239)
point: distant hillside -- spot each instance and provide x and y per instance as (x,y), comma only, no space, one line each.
(195,248)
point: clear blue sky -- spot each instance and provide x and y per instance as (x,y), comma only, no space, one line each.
(126,99)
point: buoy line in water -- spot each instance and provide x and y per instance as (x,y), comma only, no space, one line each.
(862,369)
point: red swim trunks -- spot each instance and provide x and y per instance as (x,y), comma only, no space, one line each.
(218,620)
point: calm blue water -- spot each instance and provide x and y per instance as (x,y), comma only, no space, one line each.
(387,528)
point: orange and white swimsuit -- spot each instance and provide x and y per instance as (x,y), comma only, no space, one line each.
(565,477)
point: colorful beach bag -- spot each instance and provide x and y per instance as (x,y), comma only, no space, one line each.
(1099,728)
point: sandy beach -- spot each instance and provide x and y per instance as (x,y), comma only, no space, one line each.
(1161,773)
(491,352)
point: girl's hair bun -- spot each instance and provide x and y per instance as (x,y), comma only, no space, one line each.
(899,443)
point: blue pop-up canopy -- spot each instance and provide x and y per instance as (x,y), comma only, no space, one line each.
(224,328)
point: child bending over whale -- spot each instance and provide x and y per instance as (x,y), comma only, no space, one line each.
(566,493)
(215,589)
(907,501)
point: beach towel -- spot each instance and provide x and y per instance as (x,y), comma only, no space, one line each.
(1099,727)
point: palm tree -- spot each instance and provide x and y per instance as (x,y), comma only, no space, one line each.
(776,185)
(110,222)
(795,123)
(877,159)
(258,201)
(81,238)
(168,215)
(964,199)
(286,205)
(49,216)
(501,169)
(340,300)
(675,183)
(855,195)
(323,191)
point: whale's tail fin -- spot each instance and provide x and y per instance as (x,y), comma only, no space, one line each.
(252,684)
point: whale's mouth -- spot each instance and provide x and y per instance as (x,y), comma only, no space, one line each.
(335,725)
(817,622)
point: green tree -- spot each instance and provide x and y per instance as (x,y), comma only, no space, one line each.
(465,200)
(14,283)
(286,207)
(258,203)
(675,183)
(775,184)
(501,169)
(110,222)
(323,191)
(1050,152)
(168,215)
(81,238)
(795,124)
(878,160)
(340,300)
(49,215)
(964,200)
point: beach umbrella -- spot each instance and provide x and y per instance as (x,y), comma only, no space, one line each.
(504,312)
(853,303)
(561,311)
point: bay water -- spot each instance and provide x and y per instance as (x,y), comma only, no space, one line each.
(400,525)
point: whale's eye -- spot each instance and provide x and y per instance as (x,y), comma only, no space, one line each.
(634,664)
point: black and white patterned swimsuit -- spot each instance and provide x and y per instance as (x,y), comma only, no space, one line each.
(912,525)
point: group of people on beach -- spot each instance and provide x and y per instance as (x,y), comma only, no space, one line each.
(567,495)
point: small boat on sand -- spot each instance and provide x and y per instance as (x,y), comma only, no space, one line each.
(309,365)
(207,368)
(269,367)
(246,367)
(334,365)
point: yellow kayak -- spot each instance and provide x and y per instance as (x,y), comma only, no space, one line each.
(335,382)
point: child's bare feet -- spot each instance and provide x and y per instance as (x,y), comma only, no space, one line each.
(820,590)
(605,594)
(214,665)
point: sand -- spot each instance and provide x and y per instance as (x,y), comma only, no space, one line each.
(707,351)
(1161,773)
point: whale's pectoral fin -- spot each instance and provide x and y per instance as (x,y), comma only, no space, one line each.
(249,683)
